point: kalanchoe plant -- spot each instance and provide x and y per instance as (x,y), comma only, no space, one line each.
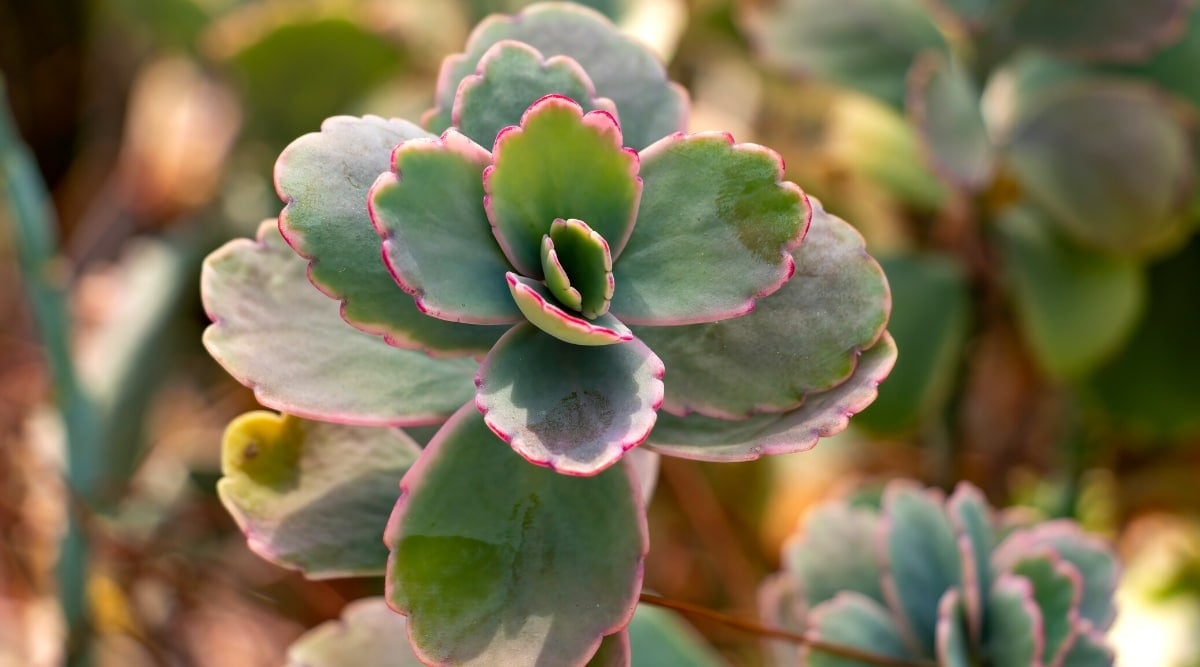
(622,283)
(932,578)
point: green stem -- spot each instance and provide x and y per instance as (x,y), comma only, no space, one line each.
(44,280)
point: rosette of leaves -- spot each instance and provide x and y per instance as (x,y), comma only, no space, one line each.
(928,578)
(1082,172)
(558,268)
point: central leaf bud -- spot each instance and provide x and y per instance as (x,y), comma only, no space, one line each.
(577,264)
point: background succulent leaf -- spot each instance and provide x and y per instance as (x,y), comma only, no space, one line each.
(1110,164)
(1075,307)
(1089,650)
(973,14)
(1104,30)
(952,640)
(560,163)
(1149,388)
(512,76)
(803,339)
(943,105)
(326,221)
(277,334)
(313,496)
(836,551)
(854,620)
(496,561)
(1015,631)
(437,242)
(920,559)
(724,205)
(1056,591)
(368,634)
(622,70)
(575,409)
(821,415)
(974,528)
(1174,67)
(866,45)
(930,316)
(659,637)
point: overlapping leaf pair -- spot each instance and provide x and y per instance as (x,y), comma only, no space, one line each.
(592,247)
(929,577)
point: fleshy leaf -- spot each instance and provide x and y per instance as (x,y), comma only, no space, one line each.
(497,562)
(944,107)
(650,106)
(723,208)
(1074,306)
(803,339)
(920,559)
(1015,636)
(614,651)
(560,163)
(1174,67)
(1056,590)
(326,221)
(369,634)
(1089,650)
(854,620)
(1088,554)
(780,605)
(572,408)
(584,256)
(275,333)
(313,496)
(1109,162)
(867,45)
(821,415)
(929,319)
(1150,387)
(539,307)
(1097,29)
(971,518)
(835,552)
(557,280)
(510,77)
(953,643)
(659,637)
(437,242)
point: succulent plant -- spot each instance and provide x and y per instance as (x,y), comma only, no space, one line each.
(554,293)
(928,577)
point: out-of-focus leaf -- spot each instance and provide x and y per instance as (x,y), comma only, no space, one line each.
(659,638)
(835,551)
(499,562)
(1075,307)
(853,620)
(1096,29)
(953,642)
(313,496)
(1174,67)
(1151,386)
(867,45)
(943,105)
(805,338)
(1015,638)
(1110,163)
(369,634)
(277,334)
(613,9)
(929,321)
(971,13)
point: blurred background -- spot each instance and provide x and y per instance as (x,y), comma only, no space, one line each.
(1051,370)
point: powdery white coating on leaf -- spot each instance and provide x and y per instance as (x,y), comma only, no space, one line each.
(572,408)
(471,510)
(275,333)
(821,415)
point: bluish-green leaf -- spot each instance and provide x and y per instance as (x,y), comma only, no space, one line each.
(856,621)
(953,639)
(274,332)
(573,408)
(499,562)
(944,107)
(324,178)
(804,339)
(312,496)
(660,638)
(1057,589)
(369,634)
(713,232)
(1014,632)
(649,105)
(866,45)
(837,551)
(1075,306)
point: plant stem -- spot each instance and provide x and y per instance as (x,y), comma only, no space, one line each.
(44,281)
(775,633)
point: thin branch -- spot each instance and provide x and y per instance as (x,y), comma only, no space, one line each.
(777,633)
